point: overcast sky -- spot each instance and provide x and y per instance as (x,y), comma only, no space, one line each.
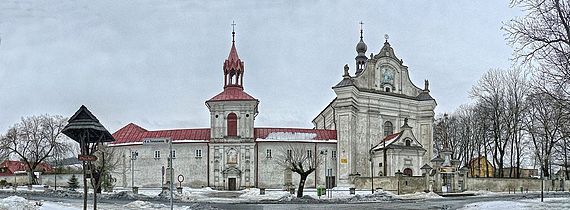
(156,62)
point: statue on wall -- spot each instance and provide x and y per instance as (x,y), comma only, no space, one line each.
(232,156)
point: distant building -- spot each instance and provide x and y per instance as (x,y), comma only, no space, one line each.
(11,167)
(481,167)
(524,172)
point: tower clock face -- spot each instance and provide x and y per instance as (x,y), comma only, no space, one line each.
(387,74)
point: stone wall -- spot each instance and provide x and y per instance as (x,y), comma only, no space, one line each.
(408,184)
(411,184)
(62,179)
(504,184)
(45,179)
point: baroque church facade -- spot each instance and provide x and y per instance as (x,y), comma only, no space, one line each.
(379,123)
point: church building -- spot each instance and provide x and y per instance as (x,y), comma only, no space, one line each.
(379,118)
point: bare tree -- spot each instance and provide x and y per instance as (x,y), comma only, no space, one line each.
(298,159)
(490,93)
(107,161)
(544,124)
(542,37)
(34,140)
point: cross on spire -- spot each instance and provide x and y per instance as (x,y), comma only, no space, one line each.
(233,31)
(361,23)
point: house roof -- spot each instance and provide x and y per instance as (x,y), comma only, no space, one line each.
(389,139)
(232,93)
(135,134)
(14,166)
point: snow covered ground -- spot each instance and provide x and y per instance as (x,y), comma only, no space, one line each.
(205,198)
(535,204)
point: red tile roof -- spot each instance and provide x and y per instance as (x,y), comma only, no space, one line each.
(391,136)
(8,167)
(233,61)
(133,133)
(232,93)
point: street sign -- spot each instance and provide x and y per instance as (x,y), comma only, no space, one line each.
(156,141)
(87,157)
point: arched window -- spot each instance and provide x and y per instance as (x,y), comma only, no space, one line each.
(232,124)
(408,142)
(387,89)
(408,172)
(388,128)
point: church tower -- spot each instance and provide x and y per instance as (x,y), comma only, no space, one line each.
(361,50)
(233,111)
(232,116)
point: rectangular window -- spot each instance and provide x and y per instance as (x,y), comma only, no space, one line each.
(268,154)
(156,154)
(173,154)
(289,154)
(198,153)
(333,155)
(329,172)
(309,153)
(379,164)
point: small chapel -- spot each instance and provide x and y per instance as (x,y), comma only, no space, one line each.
(378,124)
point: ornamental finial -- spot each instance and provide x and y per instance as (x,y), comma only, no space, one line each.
(233,31)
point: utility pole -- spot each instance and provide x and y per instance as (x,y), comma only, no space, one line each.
(134,156)
(324,153)
(371,168)
(171,173)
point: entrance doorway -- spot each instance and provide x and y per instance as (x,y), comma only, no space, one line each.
(232,184)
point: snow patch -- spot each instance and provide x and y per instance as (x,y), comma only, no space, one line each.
(144,205)
(253,194)
(291,136)
(379,195)
(420,195)
(535,204)
(16,203)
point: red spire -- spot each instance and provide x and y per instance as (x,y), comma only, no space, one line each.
(233,66)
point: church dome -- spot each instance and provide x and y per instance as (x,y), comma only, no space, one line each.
(361,47)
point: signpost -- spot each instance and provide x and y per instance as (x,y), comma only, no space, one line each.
(180,179)
(160,141)
(87,157)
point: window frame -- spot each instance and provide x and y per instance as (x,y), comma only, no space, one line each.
(198,153)
(268,153)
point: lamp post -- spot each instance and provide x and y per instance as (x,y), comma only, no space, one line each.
(371,152)
(134,156)
(399,176)
(324,154)
(427,169)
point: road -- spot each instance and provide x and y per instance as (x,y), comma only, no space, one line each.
(437,203)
